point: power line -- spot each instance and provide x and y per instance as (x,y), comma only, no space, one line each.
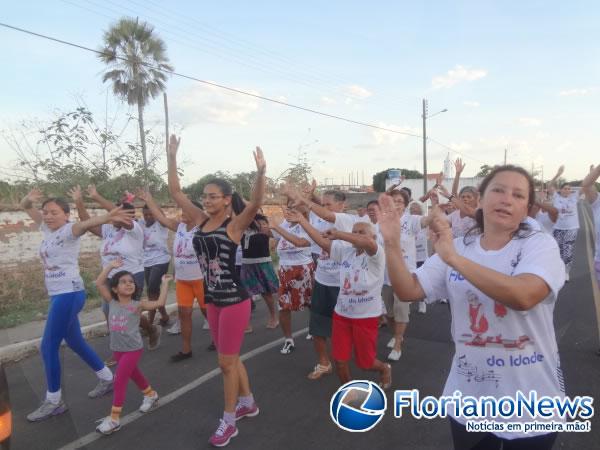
(220,86)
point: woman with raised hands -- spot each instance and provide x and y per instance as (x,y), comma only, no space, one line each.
(59,252)
(227,302)
(189,282)
(567,225)
(502,283)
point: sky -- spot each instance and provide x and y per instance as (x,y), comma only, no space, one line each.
(521,76)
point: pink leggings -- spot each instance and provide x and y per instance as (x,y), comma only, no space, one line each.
(227,325)
(127,368)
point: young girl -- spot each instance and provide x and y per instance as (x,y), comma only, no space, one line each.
(125,338)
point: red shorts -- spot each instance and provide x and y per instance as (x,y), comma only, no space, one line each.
(358,333)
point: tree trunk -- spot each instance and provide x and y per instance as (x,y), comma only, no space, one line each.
(143,140)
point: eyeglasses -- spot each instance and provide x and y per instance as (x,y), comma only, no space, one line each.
(210,196)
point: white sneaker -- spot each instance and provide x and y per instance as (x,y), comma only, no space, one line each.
(308,337)
(395,355)
(422,307)
(391,343)
(205,325)
(150,402)
(444,300)
(108,426)
(175,328)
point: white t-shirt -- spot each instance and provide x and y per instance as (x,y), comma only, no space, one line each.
(328,270)
(500,350)
(289,254)
(361,280)
(155,244)
(460,225)
(321,225)
(596,213)
(59,251)
(421,245)
(125,244)
(533,223)
(186,262)
(543,218)
(568,219)
(411,227)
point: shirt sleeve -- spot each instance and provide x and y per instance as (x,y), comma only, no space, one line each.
(344,222)
(541,257)
(68,232)
(432,278)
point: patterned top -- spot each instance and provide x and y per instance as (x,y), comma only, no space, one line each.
(216,255)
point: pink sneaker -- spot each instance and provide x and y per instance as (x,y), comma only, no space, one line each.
(242,411)
(223,435)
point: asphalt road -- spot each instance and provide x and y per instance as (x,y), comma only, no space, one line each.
(294,410)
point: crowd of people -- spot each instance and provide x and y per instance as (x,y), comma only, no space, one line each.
(497,253)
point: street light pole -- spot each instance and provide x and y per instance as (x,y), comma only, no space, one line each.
(424,147)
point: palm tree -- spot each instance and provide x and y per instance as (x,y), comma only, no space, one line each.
(137,60)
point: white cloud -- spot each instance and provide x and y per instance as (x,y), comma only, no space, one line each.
(471,103)
(358,92)
(579,92)
(202,103)
(457,75)
(327,100)
(530,121)
(381,137)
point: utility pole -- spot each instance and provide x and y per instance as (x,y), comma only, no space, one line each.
(424,147)
(505,152)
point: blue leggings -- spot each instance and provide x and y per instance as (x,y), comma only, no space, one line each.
(63,323)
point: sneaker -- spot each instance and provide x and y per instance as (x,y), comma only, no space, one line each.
(223,434)
(395,355)
(309,337)
(108,426)
(422,308)
(150,402)
(319,371)
(102,388)
(444,300)
(212,347)
(288,347)
(205,325)
(391,343)
(46,410)
(154,338)
(242,411)
(249,329)
(175,328)
(180,356)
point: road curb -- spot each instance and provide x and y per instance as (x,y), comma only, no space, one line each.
(20,350)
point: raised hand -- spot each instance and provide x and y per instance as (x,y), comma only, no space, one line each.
(388,219)
(561,170)
(122,215)
(35,195)
(92,192)
(259,158)
(439,178)
(75,193)
(459,166)
(173,145)
(310,189)
(142,194)
(291,215)
(115,263)
(441,235)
